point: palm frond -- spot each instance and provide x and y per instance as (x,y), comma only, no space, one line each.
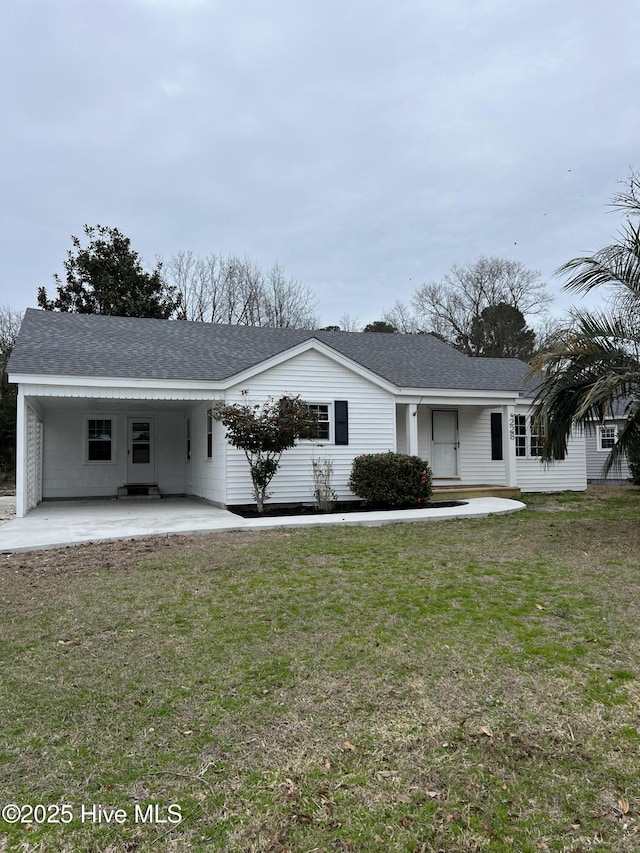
(595,362)
(628,439)
(617,265)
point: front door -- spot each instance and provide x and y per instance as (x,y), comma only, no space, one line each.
(444,443)
(141,450)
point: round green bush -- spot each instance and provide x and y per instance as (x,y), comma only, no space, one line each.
(391,480)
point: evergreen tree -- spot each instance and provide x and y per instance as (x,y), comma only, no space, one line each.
(107,277)
(502,332)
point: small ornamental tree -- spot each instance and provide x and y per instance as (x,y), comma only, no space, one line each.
(264,432)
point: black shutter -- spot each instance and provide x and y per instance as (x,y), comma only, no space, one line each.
(341,415)
(496,435)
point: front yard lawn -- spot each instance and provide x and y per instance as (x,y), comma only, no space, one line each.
(464,686)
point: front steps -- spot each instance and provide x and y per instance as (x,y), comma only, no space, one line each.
(139,492)
(482,490)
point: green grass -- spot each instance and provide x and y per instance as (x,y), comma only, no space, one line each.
(453,686)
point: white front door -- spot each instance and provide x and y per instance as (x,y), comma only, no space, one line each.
(444,443)
(141,450)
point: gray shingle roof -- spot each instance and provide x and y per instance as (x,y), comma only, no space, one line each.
(53,343)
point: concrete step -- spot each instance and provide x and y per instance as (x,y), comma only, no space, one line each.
(138,491)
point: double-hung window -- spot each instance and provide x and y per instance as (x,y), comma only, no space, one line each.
(99,440)
(529,437)
(321,411)
(520,434)
(607,437)
(537,438)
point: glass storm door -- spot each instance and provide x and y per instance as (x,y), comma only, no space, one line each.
(444,444)
(141,456)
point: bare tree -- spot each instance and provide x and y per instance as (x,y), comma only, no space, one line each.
(449,307)
(219,289)
(10,322)
(347,323)
(286,302)
(549,330)
(404,319)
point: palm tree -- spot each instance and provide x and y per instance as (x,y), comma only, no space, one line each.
(594,364)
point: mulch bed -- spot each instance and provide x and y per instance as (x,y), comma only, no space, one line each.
(250,511)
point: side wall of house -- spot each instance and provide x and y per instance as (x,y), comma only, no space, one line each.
(66,472)
(568,474)
(206,477)
(596,459)
(317,379)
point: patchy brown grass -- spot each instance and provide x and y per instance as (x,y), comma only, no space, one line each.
(452,686)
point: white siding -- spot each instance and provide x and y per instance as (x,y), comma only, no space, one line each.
(475,465)
(401,428)
(206,477)
(171,452)
(568,474)
(596,458)
(317,379)
(67,474)
(424,432)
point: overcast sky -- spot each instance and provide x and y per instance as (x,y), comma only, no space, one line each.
(366,145)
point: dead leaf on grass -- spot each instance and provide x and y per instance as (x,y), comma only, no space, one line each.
(347,745)
(623,805)
(486,731)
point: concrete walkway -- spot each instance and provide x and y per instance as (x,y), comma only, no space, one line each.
(57,524)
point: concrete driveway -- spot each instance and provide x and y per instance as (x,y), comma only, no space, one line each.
(56,524)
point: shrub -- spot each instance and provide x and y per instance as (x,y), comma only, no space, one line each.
(391,480)
(324,494)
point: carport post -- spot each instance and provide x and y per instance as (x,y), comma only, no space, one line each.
(21,460)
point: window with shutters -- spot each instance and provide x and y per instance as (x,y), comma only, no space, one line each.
(322,412)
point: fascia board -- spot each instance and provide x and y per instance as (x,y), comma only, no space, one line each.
(319,346)
(27,380)
(453,395)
